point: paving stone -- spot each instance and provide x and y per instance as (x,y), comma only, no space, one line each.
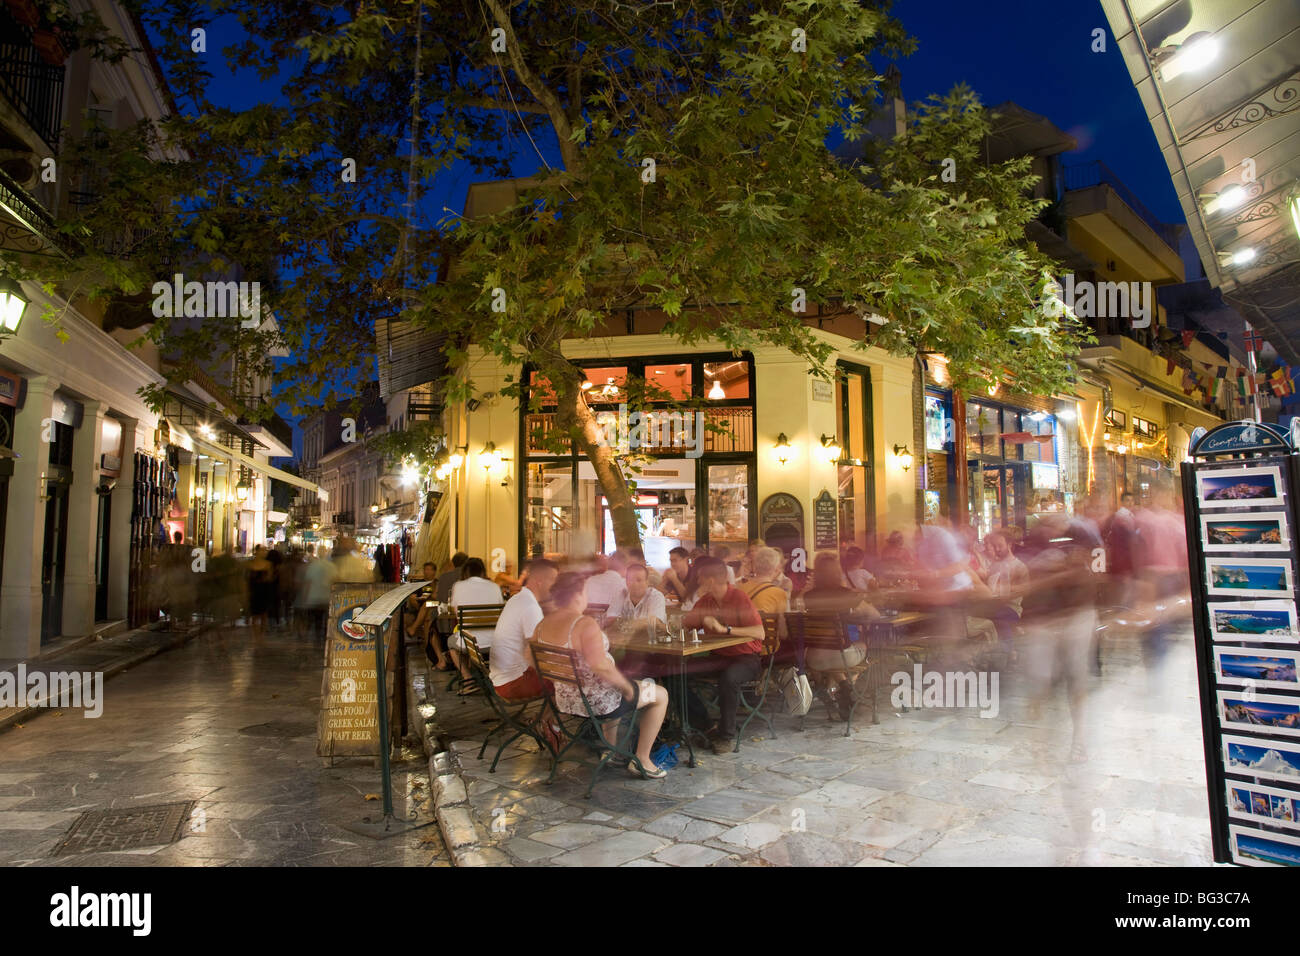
(569,835)
(483,856)
(689,854)
(881,833)
(730,806)
(753,836)
(612,851)
(522,848)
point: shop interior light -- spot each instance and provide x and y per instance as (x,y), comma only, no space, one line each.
(1196,53)
(903,455)
(993,389)
(12,304)
(1066,415)
(782,449)
(1228,198)
(715,390)
(831,448)
(586,385)
(374,509)
(1294,203)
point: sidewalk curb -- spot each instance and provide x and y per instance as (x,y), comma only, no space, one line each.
(12,720)
(451,806)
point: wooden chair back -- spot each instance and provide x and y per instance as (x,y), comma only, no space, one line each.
(482,616)
(773,628)
(824,630)
(556,664)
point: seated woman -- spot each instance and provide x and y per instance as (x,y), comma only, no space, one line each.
(829,593)
(607,690)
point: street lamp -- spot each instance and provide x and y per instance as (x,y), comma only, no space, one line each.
(12,304)
(241,491)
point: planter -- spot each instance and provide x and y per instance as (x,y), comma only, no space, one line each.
(25,12)
(49,46)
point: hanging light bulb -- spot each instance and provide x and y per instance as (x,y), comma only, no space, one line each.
(715,390)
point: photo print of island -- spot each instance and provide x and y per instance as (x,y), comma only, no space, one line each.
(1269,621)
(1268,759)
(1249,577)
(1257,848)
(1280,715)
(1265,531)
(1251,668)
(1239,487)
(1265,804)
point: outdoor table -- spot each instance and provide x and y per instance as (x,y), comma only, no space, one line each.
(679,651)
(887,632)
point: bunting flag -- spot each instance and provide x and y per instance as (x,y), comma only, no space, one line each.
(1280,382)
(1254,341)
(1169,366)
(1188,335)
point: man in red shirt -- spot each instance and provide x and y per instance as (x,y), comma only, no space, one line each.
(721,609)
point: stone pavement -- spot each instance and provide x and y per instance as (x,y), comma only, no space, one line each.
(928,787)
(229,725)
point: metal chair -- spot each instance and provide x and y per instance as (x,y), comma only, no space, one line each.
(478,616)
(828,631)
(511,714)
(559,665)
(773,625)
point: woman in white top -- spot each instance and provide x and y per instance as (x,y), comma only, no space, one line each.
(608,692)
(472,588)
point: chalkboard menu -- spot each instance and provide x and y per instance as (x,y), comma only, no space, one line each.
(1240,495)
(348,725)
(826,534)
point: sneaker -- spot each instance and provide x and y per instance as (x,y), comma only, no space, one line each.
(723,745)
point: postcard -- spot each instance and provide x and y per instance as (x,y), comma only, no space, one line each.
(1248,577)
(1250,667)
(1271,805)
(1245,534)
(1262,713)
(1257,757)
(1239,487)
(1263,848)
(1270,622)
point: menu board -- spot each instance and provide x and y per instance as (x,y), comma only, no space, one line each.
(1240,503)
(826,534)
(349,717)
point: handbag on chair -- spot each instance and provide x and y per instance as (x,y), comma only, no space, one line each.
(796,690)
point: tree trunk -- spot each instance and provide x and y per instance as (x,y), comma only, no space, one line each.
(574,417)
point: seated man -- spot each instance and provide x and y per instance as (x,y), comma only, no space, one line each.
(638,603)
(722,609)
(511,666)
(1008,580)
(474,588)
(830,594)
(763,586)
(679,579)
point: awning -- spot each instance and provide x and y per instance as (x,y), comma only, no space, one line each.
(262,467)
(1143,382)
(1024,438)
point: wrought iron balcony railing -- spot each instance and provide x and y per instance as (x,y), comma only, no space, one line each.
(34,87)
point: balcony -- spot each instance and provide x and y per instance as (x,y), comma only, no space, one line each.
(32,86)
(1117,227)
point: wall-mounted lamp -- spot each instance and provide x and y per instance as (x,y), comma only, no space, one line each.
(1294,204)
(1227,198)
(903,456)
(993,389)
(457,458)
(831,448)
(12,304)
(489,457)
(241,491)
(1194,53)
(782,450)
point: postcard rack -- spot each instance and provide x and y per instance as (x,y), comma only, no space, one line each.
(1240,496)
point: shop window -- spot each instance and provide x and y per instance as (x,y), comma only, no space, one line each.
(726,380)
(668,383)
(728,508)
(983,429)
(608,385)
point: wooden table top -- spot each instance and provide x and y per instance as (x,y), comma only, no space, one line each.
(640,644)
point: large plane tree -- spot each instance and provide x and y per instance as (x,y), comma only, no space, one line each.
(678,159)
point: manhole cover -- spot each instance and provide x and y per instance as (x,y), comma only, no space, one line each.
(278,729)
(104,831)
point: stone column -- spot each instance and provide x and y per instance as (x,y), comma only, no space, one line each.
(83,523)
(119,545)
(20,592)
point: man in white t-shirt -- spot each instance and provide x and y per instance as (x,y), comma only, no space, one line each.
(473,588)
(513,675)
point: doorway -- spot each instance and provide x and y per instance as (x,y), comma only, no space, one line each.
(101,556)
(998,494)
(53,559)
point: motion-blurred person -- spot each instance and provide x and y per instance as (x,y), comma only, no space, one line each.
(1162,565)
(830,594)
(1061,619)
(897,561)
(352,566)
(314,592)
(607,583)
(261,591)
(1119,533)
(1008,579)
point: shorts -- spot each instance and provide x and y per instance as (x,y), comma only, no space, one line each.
(823,660)
(625,706)
(522,688)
